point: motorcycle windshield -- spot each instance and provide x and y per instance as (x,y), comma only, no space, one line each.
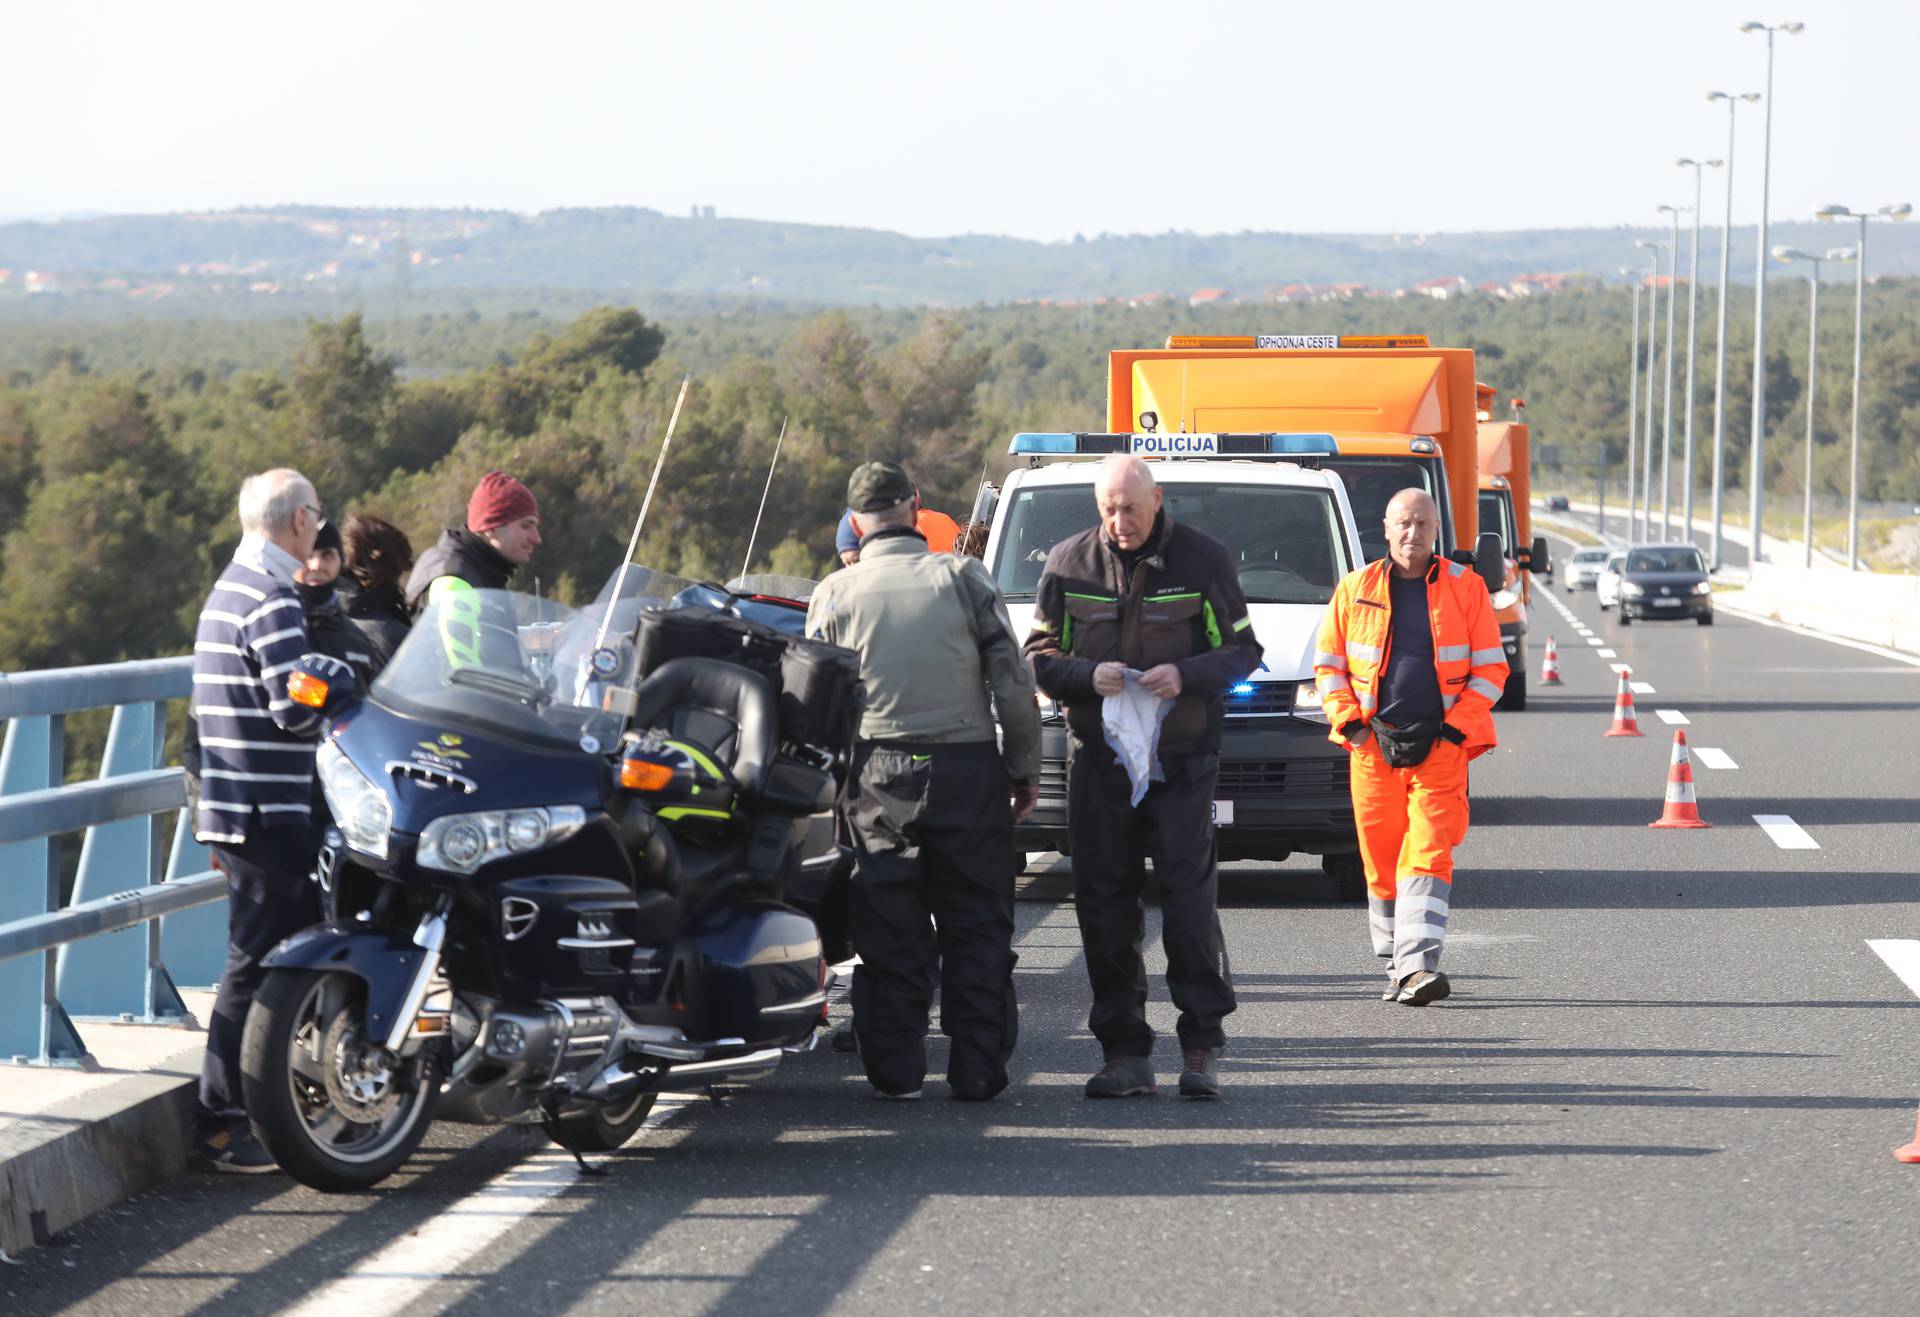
(490,660)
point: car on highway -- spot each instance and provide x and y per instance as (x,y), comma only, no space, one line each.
(1606,586)
(1558,503)
(1665,581)
(1584,567)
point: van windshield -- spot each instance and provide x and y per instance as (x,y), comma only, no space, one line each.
(1287,541)
(1371,484)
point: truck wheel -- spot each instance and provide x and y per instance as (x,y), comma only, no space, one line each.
(1515,695)
(1349,874)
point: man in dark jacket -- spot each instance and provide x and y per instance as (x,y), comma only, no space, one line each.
(501,534)
(1140,599)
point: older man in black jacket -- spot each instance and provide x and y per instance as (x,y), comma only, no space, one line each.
(1139,598)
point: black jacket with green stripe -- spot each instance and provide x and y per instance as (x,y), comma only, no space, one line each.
(1179,602)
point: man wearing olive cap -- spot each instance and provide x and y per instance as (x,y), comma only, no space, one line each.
(933,796)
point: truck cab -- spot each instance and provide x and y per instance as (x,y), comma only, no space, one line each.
(1506,509)
(1290,528)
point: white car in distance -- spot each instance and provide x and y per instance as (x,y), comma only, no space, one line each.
(1606,586)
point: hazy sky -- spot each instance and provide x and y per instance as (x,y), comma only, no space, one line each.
(1038,119)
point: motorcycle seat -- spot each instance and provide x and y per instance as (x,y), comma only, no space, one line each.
(731,710)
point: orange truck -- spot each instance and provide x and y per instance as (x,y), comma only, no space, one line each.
(1506,509)
(1401,412)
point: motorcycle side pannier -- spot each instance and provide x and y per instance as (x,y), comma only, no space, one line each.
(820,694)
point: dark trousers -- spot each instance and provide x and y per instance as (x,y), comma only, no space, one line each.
(932,900)
(1112,842)
(269,898)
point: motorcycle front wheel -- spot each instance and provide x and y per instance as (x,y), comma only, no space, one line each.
(333,1107)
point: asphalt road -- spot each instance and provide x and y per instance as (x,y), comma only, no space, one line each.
(1669,1082)
(1732,552)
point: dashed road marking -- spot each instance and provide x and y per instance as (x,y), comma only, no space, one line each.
(1713,758)
(1640,687)
(1608,653)
(1671,717)
(1903,958)
(1619,668)
(1595,641)
(1786,834)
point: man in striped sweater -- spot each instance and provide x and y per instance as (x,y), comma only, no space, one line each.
(256,781)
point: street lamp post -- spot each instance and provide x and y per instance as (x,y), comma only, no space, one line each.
(1633,400)
(1720,352)
(1652,247)
(1693,350)
(1898,212)
(1786,256)
(1666,404)
(1760,293)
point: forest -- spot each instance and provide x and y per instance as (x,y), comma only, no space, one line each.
(122,444)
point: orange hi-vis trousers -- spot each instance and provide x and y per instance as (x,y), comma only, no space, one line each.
(1410,819)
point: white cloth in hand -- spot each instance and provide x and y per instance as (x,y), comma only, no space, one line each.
(1132,721)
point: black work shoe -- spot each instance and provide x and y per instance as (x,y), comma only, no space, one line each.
(1427,985)
(843,1039)
(1199,1077)
(885,1096)
(232,1153)
(1123,1076)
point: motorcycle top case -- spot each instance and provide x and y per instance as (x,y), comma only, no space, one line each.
(670,633)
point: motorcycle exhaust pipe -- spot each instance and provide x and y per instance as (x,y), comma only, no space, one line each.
(752,1065)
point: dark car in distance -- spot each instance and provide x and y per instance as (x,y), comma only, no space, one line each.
(1558,503)
(1665,581)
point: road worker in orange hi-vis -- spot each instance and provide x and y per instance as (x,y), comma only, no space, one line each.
(1409,663)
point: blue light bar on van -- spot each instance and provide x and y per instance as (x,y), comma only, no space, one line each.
(1059,444)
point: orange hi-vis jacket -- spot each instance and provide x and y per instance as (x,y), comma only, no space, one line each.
(1351,656)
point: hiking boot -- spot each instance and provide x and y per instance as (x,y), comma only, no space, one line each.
(1427,985)
(1199,1077)
(1123,1076)
(234,1152)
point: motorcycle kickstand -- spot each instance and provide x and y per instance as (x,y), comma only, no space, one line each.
(550,1109)
(715,1096)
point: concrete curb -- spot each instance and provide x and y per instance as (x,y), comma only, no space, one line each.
(100,1149)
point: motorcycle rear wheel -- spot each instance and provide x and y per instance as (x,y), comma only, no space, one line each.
(605,1128)
(302,1056)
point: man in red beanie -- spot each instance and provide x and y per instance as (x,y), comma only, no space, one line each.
(502,531)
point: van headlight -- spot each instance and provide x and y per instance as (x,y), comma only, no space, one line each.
(360,808)
(461,843)
(1306,703)
(1632,591)
(1703,587)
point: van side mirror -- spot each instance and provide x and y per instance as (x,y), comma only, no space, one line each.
(1490,562)
(1542,564)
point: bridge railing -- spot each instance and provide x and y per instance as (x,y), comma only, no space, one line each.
(134,912)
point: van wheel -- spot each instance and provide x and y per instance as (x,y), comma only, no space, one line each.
(1515,695)
(1705,619)
(1626,618)
(1349,874)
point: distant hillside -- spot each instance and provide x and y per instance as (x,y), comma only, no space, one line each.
(301,258)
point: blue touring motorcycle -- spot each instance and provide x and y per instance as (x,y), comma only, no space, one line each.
(576,858)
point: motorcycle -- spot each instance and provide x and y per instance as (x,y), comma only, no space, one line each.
(562,873)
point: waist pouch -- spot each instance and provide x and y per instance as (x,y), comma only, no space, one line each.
(1408,746)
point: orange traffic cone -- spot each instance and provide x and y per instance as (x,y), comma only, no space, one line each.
(1910,1152)
(1550,666)
(1681,811)
(1624,723)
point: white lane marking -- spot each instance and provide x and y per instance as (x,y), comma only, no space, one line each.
(1595,641)
(407,1269)
(1619,668)
(1671,717)
(1786,834)
(1902,956)
(1911,660)
(1607,653)
(1713,758)
(1640,687)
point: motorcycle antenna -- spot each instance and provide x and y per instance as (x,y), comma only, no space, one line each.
(620,581)
(772,467)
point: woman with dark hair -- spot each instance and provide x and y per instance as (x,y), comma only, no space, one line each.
(378,558)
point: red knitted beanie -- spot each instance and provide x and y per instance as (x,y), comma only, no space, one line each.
(497,500)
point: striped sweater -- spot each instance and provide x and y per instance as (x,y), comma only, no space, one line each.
(256,744)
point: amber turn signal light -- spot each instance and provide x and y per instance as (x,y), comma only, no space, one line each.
(305,688)
(644,775)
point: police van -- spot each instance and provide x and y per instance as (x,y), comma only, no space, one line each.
(1283,784)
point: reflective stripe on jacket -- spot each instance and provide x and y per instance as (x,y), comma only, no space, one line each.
(1355,635)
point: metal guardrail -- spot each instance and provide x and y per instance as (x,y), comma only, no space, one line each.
(84,956)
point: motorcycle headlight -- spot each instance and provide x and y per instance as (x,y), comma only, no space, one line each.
(461,843)
(1632,591)
(1504,599)
(1306,703)
(362,809)
(1702,587)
